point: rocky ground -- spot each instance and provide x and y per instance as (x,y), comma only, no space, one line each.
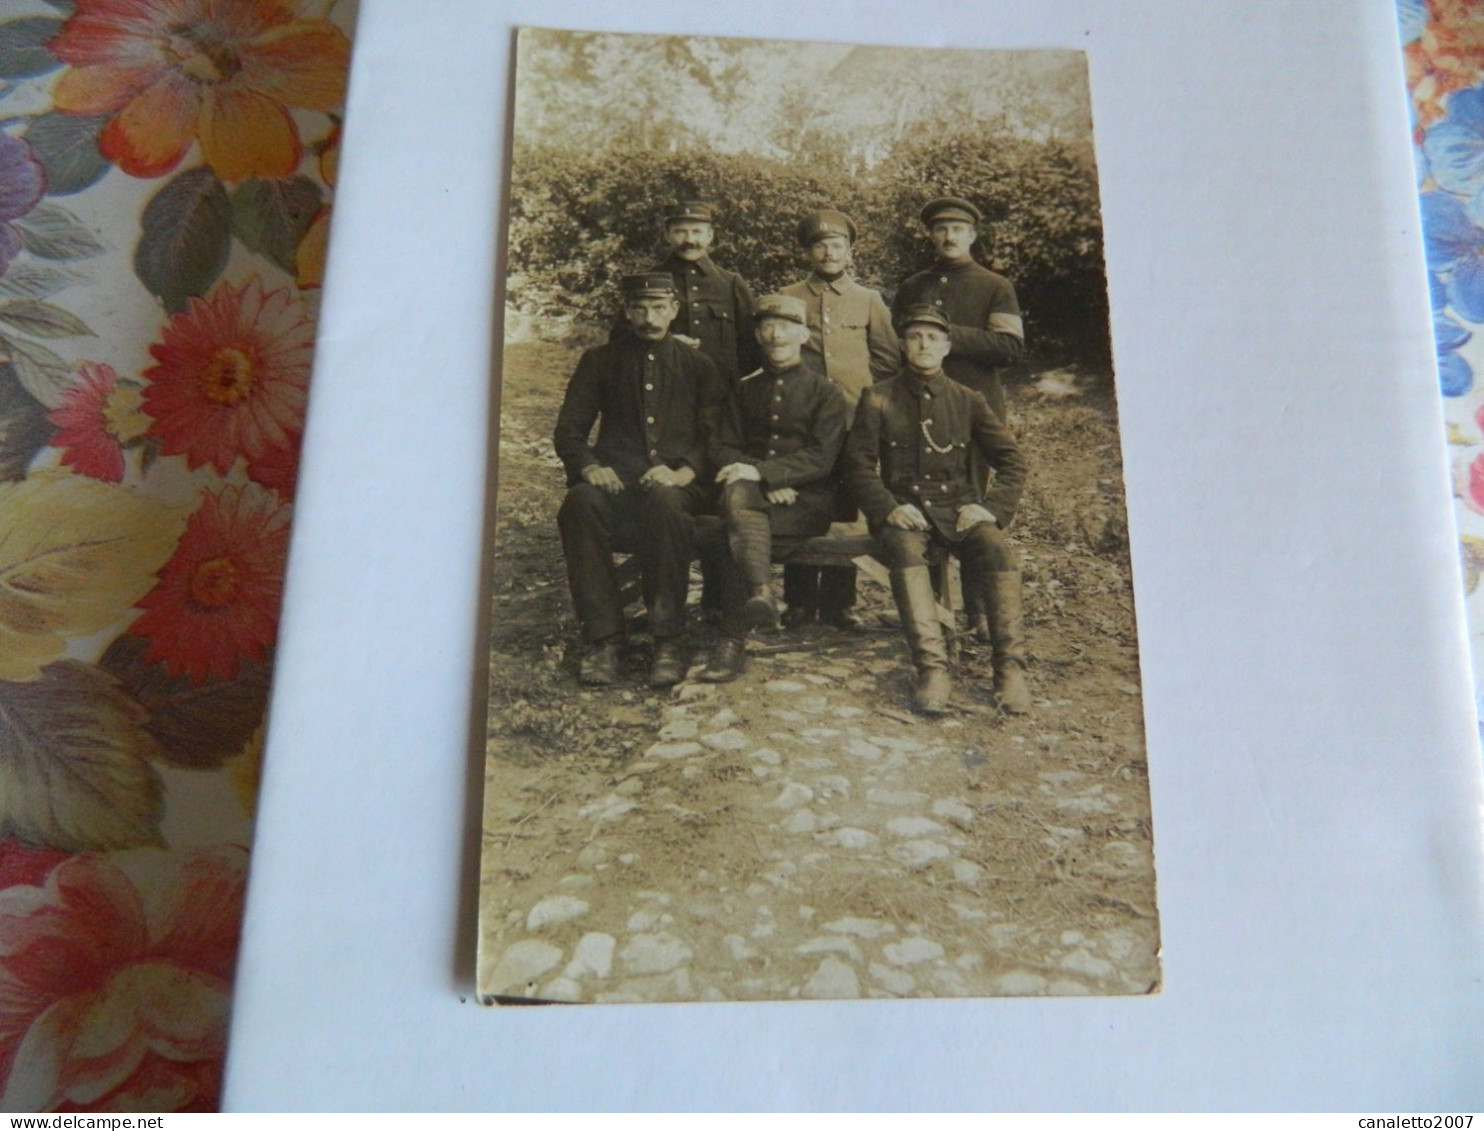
(799,833)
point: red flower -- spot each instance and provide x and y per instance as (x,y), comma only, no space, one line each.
(231,375)
(96,418)
(224,72)
(217,598)
(102,1009)
(277,468)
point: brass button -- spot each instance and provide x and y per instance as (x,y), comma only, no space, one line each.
(650,388)
(651,420)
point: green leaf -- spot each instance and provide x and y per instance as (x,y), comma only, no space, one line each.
(197,725)
(44,374)
(42,319)
(25,279)
(52,232)
(24,428)
(67,147)
(271,217)
(72,763)
(187,237)
(23,50)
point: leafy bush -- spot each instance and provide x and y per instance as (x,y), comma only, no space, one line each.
(582,220)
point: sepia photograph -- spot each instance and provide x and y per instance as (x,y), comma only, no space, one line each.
(813,664)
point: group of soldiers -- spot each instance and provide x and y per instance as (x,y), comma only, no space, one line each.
(786,413)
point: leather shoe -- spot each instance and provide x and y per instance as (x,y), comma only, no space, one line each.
(933,689)
(979,627)
(799,615)
(725,663)
(841,618)
(760,611)
(668,666)
(599,667)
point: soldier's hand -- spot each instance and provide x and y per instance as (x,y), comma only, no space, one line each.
(688,340)
(603,478)
(907,517)
(782,496)
(972,515)
(738,473)
(662,476)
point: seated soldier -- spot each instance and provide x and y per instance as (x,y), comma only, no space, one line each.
(909,463)
(635,487)
(776,448)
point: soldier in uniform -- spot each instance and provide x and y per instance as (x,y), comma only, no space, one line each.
(909,461)
(715,304)
(636,486)
(981,306)
(776,450)
(852,342)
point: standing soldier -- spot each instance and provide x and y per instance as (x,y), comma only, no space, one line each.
(987,331)
(715,304)
(635,487)
(715,316)
(776,449)
(909,461)
(852,343)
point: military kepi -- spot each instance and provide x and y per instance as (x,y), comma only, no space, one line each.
(826,222)
(657,284)
(950,208)
(925,312)
(781,306)
(683,210)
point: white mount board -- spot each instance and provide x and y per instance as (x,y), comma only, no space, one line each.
(1312,750)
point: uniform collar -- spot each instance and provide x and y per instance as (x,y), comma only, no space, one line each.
(934,385)
(817,283)
(634,340)
(681,266)
(939,265)
(793,370)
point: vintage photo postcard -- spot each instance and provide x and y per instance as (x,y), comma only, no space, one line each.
(813,662)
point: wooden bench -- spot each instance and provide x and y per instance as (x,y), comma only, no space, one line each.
(845,544)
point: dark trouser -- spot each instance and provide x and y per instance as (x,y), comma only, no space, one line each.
(984,547)
(655,524)
(753,542)
(828,588)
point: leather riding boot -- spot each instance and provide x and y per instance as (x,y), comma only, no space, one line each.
(1007,635)
(913,589)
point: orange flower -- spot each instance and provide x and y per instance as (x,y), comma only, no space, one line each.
(221,72)
(232,375)
(217,598)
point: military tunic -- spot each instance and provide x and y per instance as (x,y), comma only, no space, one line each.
(912,442)
(653,403)
(791,427)
(850,336)
(987,330)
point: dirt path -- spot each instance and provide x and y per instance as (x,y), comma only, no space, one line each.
(799,833)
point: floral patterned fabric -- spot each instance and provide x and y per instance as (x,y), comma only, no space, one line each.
(1443,44)
(165,177)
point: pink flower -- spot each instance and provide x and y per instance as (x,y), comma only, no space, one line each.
(105,1008)
(96,418)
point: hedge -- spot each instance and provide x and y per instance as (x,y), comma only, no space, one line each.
(580,221)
